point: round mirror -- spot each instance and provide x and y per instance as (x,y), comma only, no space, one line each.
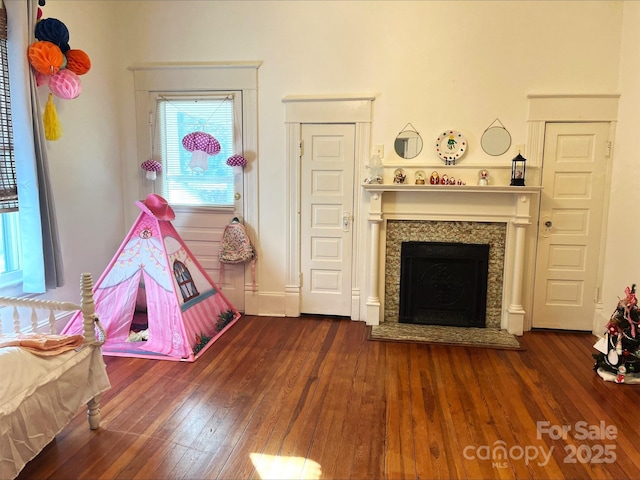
(408,144)
(495,141)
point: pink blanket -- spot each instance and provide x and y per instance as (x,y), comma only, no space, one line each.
(44,344)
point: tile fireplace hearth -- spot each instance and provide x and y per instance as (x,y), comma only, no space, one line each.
(501,212)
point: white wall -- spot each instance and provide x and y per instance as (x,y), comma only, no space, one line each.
(435,64)
(86,163)
(622,265)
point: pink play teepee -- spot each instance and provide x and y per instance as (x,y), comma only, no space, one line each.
(154,299)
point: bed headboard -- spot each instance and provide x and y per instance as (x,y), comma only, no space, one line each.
(87,306)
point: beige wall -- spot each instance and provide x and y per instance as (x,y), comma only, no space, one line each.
(622,264)
(435,64)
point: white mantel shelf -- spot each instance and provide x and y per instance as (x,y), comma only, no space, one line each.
(509,204)
(400,187)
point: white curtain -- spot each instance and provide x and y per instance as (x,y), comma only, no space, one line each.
(41,252)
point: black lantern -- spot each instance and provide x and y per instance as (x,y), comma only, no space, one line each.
(518,165)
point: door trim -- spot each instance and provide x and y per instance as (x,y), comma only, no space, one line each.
(178,77)
(566,108)
(300,109)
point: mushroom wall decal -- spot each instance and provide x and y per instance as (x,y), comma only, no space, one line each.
(151,166)
(202,145)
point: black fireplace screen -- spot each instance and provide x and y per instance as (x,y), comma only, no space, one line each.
(444,283)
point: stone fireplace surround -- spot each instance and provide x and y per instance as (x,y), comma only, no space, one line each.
(399,231)
(467,207)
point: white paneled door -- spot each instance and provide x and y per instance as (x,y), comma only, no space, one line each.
(570,228)
(327,169)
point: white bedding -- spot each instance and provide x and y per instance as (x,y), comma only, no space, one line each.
(38,398)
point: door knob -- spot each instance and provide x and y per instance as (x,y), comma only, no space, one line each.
(346,220)
(548,224)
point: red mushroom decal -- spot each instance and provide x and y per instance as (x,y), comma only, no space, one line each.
(202,145)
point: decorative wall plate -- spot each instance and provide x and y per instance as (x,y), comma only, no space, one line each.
(451,146)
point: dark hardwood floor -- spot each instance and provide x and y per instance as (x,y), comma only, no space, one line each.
(314,398)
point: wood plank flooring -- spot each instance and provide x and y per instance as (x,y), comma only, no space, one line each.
(312,397)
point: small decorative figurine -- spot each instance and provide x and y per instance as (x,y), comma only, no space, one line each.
(435,178)
(399,176)
(483,177)
(444,179)
(376,170)
(420,177)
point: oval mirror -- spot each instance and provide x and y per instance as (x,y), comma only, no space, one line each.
(495,141)
(408,144)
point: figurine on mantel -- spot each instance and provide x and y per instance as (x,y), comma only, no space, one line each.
(445,179)
(399,176)
(483,177)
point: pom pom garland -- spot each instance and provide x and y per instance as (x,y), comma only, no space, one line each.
(55,64)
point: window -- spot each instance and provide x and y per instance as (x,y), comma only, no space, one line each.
(216,114)
(10,272)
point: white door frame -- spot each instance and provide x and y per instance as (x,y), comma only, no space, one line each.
(355,109)
(546,108)
(243,76)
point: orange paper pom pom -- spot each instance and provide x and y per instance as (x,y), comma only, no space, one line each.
(45,57)
(78,61)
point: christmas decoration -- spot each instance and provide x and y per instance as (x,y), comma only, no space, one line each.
(618,359)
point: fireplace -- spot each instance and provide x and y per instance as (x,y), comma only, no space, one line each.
(461,214)
(444,283)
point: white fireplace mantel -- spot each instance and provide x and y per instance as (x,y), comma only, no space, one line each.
(508,204)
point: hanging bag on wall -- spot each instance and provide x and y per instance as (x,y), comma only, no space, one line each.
(235,248)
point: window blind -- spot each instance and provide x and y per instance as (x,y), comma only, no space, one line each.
(8,185)
(178,116)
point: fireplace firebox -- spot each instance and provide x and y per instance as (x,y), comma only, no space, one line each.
(444,283)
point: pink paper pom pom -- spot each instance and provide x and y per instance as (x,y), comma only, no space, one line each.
(65,84)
